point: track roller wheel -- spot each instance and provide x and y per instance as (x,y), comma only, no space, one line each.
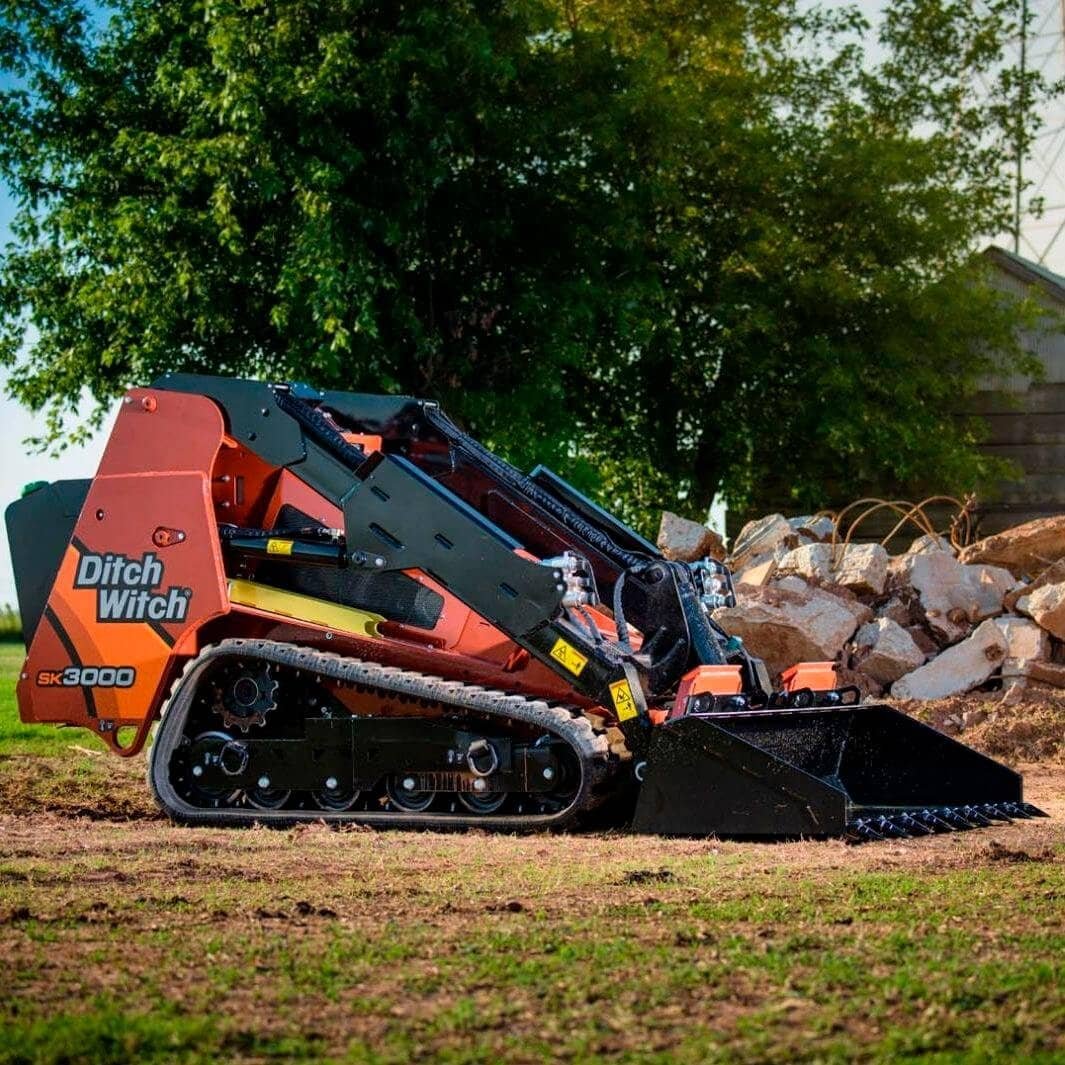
(400,789)
(335,798)
(265,797)
(482,804)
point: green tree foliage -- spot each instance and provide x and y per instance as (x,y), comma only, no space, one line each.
(10,623)
(672,248)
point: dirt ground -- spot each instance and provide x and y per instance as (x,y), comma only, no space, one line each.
(1028,727)
(123,937)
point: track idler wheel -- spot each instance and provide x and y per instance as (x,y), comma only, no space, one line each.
(208,749)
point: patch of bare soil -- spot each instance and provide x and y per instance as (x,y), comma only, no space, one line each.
(1030,729)
(263,856)
(104,787)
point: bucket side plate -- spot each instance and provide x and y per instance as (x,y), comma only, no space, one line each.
(701,779)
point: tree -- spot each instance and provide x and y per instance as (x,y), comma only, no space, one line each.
(671,249)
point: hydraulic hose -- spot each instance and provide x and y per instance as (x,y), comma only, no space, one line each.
(318,428)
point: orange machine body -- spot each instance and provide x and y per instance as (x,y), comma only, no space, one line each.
(142,586)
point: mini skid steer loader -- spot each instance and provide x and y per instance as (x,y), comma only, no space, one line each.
(340,606)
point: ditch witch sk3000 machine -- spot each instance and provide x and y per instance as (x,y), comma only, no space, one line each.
(341,606)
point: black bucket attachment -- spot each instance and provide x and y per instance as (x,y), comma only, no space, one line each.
(863,772)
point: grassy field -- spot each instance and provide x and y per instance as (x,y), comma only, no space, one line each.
(124,938)
(15,737)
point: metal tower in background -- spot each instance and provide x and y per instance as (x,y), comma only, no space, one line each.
(1040,172)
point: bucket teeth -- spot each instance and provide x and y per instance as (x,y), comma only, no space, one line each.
(953,816)
(890,829)
(912,825)
(862,830)
(902,823)
(976,815)
(995,812)
(931,819)
(905,824)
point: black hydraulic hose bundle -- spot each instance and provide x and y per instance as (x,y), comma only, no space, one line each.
(317,426)
(619,616)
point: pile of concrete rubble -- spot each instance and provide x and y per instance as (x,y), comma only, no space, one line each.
(926,624)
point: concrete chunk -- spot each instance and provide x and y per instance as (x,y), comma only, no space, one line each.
(760,570)
(683,540)
(811,562)
(788,624)
(885,651)
(1054,574)
(843,596)
(1046,606)
(958,669)
(1024,638)
(899,566)
(862,613)
(927,545)
(863,569)
(813,527)
(938,579)
(1024,549)
(954,596)
(860,567)
(989,586)
(761,537)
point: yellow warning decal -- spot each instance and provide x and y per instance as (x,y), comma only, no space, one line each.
(624,703)
(568,656)
(279,547)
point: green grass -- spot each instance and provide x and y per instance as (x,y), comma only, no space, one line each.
(16,738)
(10,624)
(404,954)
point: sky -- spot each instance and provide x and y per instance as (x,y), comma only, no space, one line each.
(20,466)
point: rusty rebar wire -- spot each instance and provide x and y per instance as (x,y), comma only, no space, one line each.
(959,531)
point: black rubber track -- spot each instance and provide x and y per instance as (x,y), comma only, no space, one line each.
(591,747)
